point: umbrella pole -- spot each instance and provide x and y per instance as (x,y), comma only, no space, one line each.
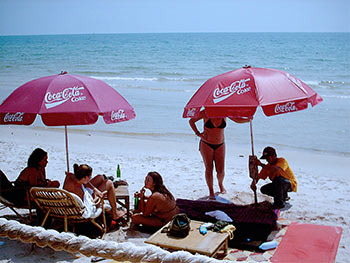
(251,135)
(67,155)
(252,144)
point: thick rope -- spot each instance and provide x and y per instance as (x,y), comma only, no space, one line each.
(71,243)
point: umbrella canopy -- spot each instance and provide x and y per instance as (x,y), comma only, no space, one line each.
(238,93)
(65,99)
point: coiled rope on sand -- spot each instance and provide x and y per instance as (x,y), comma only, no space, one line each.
(71,243)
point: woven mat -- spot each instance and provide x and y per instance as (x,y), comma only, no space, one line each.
(234,254)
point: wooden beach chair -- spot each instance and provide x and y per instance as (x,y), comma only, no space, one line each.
(66,206)
(8,193)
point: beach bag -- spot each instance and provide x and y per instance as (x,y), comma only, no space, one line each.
(179,226)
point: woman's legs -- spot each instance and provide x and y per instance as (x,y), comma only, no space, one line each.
(107,185)
(219,159)
(208,157)
(147,220)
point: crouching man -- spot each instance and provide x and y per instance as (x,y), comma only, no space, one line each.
(281,175)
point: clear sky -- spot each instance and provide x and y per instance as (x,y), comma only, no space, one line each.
(27,17)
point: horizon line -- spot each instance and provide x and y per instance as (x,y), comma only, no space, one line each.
(202,32)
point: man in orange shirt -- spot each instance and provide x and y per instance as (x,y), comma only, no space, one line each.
(281,175)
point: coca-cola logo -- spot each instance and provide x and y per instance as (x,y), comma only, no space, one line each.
(238,87)
(14,117)
(191,112)
(73,94)
(118,115)
(287,107)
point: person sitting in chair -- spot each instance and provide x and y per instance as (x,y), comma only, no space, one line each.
(157,209)
(281,175)
(81,184)
(34,174)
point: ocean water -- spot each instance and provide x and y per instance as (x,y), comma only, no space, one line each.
(158,74)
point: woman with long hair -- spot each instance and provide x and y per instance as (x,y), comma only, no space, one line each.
(157,209)
(34,174)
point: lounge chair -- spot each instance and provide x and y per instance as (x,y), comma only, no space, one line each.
(9,197)
(61,204)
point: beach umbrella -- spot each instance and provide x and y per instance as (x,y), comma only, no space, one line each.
(63,100)
(238,93)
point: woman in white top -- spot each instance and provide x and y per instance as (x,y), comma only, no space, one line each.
(81,180)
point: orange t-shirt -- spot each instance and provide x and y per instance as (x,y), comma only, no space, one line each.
(286,172)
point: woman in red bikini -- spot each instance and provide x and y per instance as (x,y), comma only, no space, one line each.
(212,148)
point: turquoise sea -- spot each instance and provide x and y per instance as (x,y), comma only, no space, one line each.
(158,74)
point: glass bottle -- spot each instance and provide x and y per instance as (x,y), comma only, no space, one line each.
(118,173)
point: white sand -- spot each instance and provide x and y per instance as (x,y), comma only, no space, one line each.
(323,195)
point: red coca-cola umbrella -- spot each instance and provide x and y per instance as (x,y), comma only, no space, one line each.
(238,93)
(63,100)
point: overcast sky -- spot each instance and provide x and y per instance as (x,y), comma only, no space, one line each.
(27,17)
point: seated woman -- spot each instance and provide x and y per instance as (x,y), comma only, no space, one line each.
(81,184)
(157,209)
(34,174)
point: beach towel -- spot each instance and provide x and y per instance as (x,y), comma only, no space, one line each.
(308,243)
(219,215)
(91,211)
(254,222)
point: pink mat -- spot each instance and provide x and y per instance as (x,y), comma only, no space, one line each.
(308,243)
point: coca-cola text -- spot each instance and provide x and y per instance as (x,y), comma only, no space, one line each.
(118,115)
(15,117)
(239,87)
(191,112)
(55,99)
(287,107)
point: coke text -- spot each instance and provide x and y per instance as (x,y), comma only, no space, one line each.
(239,87)
(15,117)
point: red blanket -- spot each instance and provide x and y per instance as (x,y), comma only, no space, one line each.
(308,243)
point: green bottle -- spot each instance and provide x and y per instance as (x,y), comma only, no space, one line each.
(136,202)
(118,172)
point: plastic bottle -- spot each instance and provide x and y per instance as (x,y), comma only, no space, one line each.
(118,173)
(268,245)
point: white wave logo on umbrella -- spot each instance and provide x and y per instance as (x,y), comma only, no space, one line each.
(56,99)
(296,82)
(238,87)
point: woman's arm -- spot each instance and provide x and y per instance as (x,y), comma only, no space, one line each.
(151,204)
(193,121)
(142,200)
(239,120)
(97,192)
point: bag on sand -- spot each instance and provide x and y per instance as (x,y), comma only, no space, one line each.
(179,226)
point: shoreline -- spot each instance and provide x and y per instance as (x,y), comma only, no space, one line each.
(171,137)
(323,184)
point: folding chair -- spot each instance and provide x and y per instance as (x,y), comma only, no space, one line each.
(61,204)
(9,197)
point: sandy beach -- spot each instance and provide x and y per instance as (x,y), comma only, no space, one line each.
(322,197)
